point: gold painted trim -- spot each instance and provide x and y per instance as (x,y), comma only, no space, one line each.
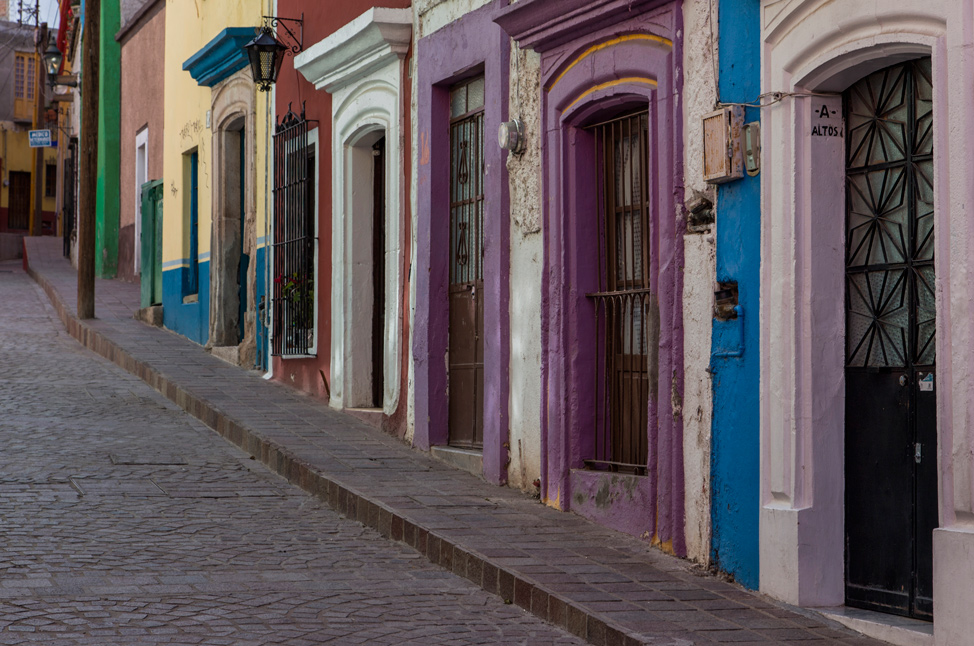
(610,43)
(601,86)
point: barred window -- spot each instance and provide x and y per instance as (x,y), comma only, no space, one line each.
(294,238)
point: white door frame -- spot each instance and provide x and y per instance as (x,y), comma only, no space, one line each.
(141,144)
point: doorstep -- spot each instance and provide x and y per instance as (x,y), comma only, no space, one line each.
(901,631)
(463,459)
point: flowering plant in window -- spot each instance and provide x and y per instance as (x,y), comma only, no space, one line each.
(297,295)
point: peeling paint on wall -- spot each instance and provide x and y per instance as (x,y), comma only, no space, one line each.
(736,448)
(699,96)
(526,267)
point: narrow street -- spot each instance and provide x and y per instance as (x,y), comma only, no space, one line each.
(125,521)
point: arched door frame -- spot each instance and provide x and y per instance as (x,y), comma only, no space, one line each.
(809,59)
(233,110)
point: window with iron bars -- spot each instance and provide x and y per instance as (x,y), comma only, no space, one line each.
(627,333)
(294,238)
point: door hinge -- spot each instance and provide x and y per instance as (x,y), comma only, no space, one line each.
(917,452)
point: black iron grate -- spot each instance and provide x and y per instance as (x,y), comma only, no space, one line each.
(294,238)
(627,335)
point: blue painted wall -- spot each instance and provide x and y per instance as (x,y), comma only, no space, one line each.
(192,320)
(735,448)
(260,289)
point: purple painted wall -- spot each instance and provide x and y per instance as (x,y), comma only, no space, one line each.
(472,45)
(600,58)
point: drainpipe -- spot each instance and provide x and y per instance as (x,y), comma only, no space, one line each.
(268,247)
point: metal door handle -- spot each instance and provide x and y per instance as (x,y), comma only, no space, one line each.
(903,380)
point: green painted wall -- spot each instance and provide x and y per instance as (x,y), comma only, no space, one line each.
(109,127)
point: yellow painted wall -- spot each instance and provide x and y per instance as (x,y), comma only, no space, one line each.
(16,154)
(191,24)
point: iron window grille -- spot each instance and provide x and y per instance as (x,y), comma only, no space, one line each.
(294,238)
(627,338)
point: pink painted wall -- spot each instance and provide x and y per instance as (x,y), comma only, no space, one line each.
(142,106)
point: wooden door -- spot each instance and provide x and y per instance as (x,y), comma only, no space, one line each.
(891,425)
(18,212)
(466,265)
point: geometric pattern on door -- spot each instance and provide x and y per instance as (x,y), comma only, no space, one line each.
(889,243)
(890,435)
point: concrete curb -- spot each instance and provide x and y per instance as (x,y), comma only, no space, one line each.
(473,566)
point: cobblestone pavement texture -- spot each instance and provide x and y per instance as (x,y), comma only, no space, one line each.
(123,520)
(601,585)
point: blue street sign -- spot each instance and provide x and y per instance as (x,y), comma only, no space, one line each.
(40,138)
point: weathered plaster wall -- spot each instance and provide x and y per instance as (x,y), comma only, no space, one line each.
(143,105)
(590,73)
(432,15)
(699,96)
(527,252)
(476,42)
(736,440)
(188,28)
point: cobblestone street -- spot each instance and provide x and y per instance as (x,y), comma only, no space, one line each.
(125,521)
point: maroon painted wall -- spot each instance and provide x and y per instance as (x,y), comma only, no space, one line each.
(143,74)
(321,19)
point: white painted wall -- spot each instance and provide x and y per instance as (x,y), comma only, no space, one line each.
(699,96)
(527,254)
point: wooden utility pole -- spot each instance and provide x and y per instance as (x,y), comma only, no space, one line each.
(38,176)
(90,52)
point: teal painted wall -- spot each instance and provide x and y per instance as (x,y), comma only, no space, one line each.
(735,452)
(109,134)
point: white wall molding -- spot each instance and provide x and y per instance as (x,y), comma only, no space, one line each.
(361,65)
(355,51)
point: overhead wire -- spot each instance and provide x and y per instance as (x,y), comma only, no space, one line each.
(764,100)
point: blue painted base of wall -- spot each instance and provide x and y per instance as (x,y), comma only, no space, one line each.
(260,290)
(192,320)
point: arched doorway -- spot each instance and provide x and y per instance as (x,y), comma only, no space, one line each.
(890,360)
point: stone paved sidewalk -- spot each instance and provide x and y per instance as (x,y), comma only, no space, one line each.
(125,521)
(600,585)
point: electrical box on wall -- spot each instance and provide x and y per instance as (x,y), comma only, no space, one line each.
(723,160)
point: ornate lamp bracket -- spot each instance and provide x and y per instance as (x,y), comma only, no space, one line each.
(293,41)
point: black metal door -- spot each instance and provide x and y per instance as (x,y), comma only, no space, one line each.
(890,430)
(378,270)
(466,365)
(18,213)
(68,191)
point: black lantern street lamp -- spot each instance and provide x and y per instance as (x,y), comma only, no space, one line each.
(52,60)
(266,53)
